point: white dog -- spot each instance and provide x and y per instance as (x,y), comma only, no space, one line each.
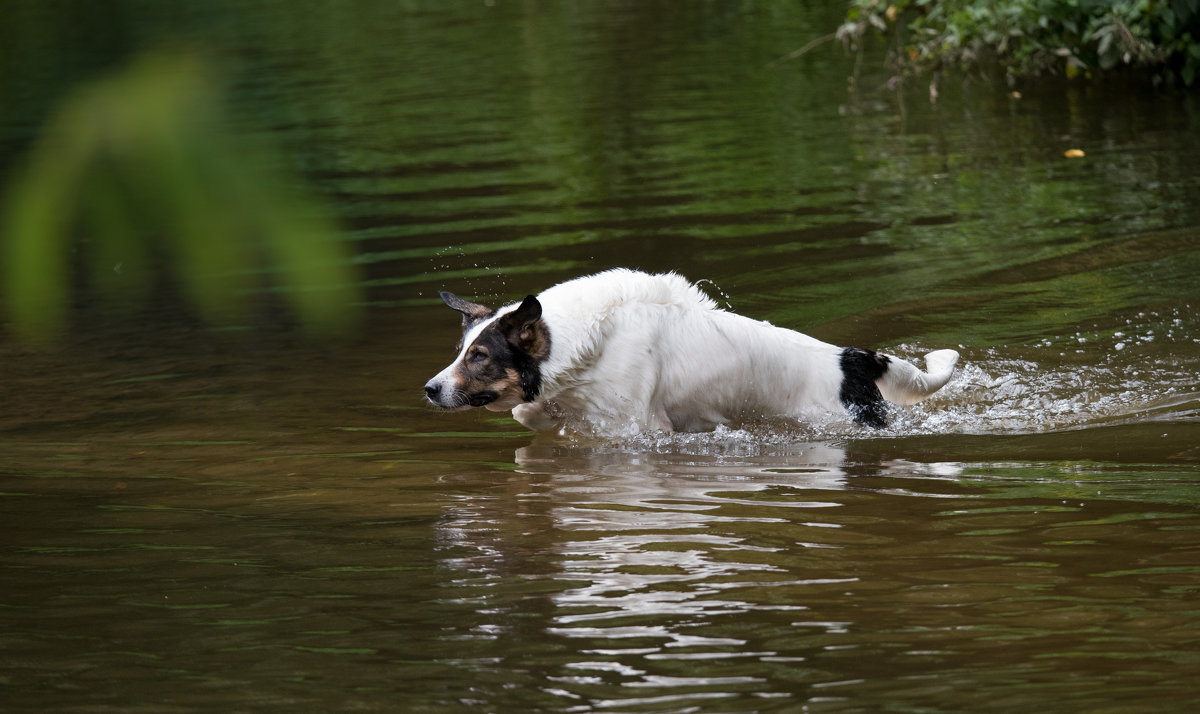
(624,350)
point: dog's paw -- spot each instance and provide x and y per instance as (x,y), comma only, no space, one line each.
(539,416)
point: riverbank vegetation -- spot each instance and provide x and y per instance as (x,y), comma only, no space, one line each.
(1026,38)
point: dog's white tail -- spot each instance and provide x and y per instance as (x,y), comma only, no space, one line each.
(904,383)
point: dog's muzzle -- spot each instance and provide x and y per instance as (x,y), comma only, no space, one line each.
(434,393)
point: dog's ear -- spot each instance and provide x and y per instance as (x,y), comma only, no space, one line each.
(525,329)
(473,313)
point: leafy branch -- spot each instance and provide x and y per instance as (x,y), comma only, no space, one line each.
(1034,37)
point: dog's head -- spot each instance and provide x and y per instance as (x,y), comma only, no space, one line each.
(499,357)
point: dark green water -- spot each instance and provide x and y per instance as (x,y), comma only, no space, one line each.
(194,523)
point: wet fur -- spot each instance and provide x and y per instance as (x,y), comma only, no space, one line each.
(624,350)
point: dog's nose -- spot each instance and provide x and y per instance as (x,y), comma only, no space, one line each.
(432,390)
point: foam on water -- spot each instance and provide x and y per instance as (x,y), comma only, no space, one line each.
(1143,370)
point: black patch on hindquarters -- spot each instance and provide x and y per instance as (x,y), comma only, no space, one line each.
(860,396)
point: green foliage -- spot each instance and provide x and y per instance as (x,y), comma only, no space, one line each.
(1030,37)
(139,171)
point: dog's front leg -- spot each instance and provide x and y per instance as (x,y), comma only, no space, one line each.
(539,415)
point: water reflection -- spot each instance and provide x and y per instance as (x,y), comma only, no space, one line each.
(747,569)
(649,549)
(666,542)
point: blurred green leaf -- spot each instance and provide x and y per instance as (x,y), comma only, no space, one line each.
(140,172)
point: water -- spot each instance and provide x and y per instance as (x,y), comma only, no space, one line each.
(212,522)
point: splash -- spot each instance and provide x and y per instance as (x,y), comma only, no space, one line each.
(710,286)
(1141,369)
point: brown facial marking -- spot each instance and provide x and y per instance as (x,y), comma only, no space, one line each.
(500,368)
(502,363)
(486,372)
(509,388)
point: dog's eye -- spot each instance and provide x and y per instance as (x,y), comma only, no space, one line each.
(477,354)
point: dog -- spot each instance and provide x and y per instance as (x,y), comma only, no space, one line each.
(625,351)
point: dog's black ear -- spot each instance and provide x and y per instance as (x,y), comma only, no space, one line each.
(473,313)
(528,311)
(524,328)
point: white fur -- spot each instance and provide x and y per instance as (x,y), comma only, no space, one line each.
(633,351)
